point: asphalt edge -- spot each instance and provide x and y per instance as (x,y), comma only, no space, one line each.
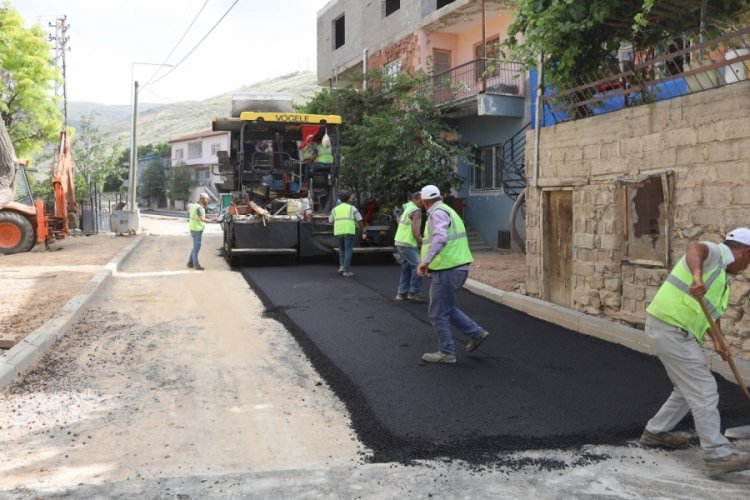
(31,348)
(594,326)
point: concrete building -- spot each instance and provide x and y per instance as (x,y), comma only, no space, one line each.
(198,152)
(455,42)
(616,198)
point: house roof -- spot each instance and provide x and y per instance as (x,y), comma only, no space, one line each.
(196,135)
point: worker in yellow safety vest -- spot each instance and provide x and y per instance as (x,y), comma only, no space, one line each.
(345,218)
(197,223)
(446,257)
(325,151)
(309,155)
(676,326)
(408,238)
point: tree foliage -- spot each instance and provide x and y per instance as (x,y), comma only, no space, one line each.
(394,139)
(27,106)
(179,182)
(97,160)
(577,36)
(153,181)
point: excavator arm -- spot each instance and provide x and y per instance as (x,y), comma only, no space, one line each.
(63,183)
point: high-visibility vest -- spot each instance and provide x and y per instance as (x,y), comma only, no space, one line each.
(325,154)
(456,251)
(404,234)
(343,219)
(674,305)
(194,221)
(308,152)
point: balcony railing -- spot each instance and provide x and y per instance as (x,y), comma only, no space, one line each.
(491,76)
(697,67)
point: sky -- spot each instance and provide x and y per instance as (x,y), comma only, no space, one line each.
(255,41)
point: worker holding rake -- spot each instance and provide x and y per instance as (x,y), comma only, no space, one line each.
(676,326)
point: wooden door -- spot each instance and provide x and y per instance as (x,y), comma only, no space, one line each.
(558,254)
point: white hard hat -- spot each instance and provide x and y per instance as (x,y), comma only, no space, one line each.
(430,192)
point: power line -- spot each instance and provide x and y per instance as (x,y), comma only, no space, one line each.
(198,44)
(160,96)
(177,44)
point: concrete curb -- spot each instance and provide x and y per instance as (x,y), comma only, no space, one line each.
(601,328)
(23,355)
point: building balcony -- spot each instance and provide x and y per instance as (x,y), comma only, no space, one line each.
(480,87)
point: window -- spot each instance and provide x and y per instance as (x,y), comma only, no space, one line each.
(443,3)
(391,6)
(646,207)
(392,69)
(195,149)
(390,72)
(493,53)
(488,172)
(179,154)
(215,148)
(202,177)
(441,61)
(339,33)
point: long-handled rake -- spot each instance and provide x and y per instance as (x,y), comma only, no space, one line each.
(733,432)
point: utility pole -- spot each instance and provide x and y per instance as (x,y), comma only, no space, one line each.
(61,40)
(133,176)
(133,182)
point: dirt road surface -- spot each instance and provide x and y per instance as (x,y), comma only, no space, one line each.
(174,385)
(170,363)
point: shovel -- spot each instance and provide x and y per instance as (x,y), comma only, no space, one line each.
(733,432)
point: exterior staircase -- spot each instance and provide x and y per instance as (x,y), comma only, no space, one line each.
(512,158)
(476,243)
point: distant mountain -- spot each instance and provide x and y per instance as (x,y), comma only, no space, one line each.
(104,113)
(159,123)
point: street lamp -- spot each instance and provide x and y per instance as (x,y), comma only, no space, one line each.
(133,183)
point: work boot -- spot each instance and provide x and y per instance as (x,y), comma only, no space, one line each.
(667,440)
(190,264)
(438,357)
(198,267)
(474,343)
(735,462)
(400,296)
(415,297)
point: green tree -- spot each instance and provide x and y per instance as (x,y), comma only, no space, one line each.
(153,182)
(394,139)
(577,36)
(163,150)
(27,106)
(96,160)
(179,182)
(114,181)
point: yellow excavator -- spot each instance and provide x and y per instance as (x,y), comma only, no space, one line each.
(24,221)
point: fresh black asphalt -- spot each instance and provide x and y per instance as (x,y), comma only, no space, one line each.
(530,385)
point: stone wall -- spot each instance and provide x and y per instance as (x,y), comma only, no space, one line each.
(699,145)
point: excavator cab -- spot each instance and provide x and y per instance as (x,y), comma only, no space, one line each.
(23,186)
(22,218)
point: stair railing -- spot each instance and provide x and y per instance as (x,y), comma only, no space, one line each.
(511,157)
